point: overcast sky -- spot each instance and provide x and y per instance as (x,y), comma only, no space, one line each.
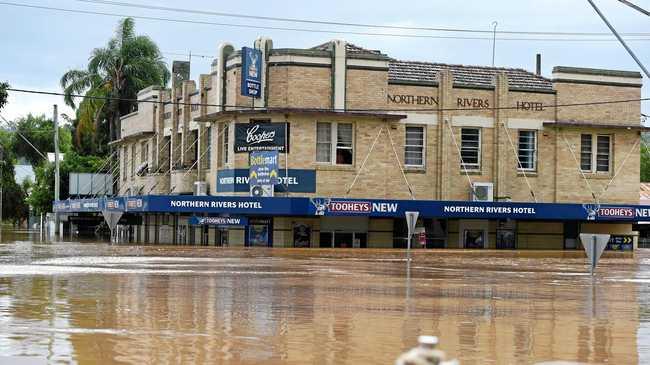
(38,45)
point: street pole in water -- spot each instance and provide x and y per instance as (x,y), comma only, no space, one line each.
(56,168)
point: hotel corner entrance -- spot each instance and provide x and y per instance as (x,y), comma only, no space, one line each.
(344,232)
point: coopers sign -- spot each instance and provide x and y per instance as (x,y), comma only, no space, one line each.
(261,137)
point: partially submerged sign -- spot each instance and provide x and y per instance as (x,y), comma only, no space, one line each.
(218,221)
(411,220)
(594,245)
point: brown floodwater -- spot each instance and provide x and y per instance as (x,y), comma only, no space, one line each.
(96,303)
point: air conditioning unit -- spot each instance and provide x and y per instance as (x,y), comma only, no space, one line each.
(200,188)
(482,192)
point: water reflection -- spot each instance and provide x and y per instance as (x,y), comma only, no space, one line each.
(96,303)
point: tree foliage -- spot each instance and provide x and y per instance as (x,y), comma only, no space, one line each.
(39,130)
(126,65)
(3,94)
(14,206)
(645,160)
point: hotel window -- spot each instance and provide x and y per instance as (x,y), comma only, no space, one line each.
(124,162)
(133,161)
(208,143)
(145,152)
(225,136)
(414,146)
(595,152)
(341,148)
(527,150)
(470,148)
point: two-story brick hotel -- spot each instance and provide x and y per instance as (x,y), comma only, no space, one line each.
(489,157)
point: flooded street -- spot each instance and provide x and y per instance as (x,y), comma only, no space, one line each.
(87,303)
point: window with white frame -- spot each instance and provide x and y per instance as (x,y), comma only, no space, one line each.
(470,148)
(585,152)
(323,142)
(595,152)
(527,150)
(334,140)
(414,146)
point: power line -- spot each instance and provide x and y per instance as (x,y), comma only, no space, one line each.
(242,107)
(635,7)
(324,22)
(307,30)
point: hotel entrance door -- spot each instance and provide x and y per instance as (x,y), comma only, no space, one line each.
(344,239)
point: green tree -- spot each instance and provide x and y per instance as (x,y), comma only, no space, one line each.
(3,94)
(127,64)
(42,192)
(39,130)
(14,206)
(645,163)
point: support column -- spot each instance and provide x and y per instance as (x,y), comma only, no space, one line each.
(339,66)
(187,153)
(502,185)
(445,100)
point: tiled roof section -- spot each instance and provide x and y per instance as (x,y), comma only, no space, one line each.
(349,48)
(478,76)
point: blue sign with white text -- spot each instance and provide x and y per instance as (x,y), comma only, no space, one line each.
(263,168)
(251,72)
(237,181)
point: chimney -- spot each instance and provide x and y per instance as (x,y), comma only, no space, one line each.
(538,65)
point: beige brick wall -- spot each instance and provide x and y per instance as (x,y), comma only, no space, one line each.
(365,89)
(300,87)
(616,113)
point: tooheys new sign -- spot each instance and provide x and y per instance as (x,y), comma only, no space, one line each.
(261,137)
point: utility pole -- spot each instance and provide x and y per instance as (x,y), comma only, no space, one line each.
(620,39)
(56,165)
(494,39)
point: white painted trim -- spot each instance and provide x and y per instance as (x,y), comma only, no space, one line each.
(472,121)
(167,131)
(419,118)
(194,125)
(233,61)
(597,78)
(367,63)
(301,59)
(521,123)
(339,74)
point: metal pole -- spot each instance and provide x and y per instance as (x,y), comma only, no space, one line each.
(594,246)
(620,39)
(494,39)
(55,119)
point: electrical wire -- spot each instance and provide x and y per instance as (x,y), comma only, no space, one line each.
(280,110)
(307,30)
(346,24)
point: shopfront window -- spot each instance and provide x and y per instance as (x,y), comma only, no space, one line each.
(474,238)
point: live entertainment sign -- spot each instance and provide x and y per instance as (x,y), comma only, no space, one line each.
(261,137)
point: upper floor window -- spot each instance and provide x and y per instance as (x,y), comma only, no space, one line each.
(470,148)
(595,153)
(414,146)
(334,140)
(225,136)
(527,150)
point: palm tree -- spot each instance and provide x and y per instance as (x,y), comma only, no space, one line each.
(127,64)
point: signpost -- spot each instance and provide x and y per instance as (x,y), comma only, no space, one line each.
(594,245)
(411,220)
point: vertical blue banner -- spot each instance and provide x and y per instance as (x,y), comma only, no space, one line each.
(251,72)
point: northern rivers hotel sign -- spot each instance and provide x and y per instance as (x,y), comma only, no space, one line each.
(463,103)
